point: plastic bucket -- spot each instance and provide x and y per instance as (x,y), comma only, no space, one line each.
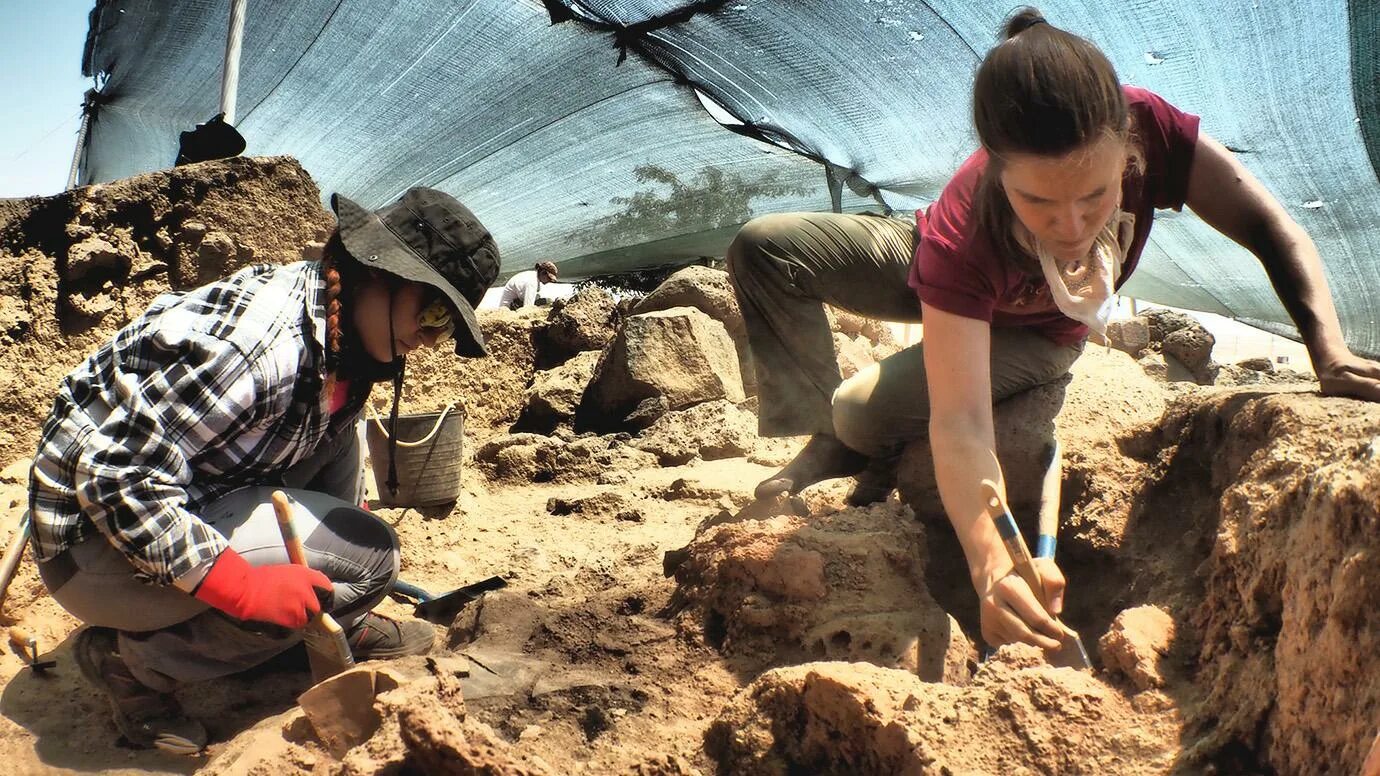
(428,455)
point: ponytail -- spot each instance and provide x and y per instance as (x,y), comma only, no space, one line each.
(1041,91)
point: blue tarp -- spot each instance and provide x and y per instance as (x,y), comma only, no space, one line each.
(608,135)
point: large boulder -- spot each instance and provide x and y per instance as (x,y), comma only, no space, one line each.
(1162,322)
(1191,346)
(671,358)
(709,291)
(703,288)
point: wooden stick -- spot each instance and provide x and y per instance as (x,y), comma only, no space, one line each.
(327,648)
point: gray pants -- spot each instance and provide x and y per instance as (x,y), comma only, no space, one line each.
(168,638)
(785,267)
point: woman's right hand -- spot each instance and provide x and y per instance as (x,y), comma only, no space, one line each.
(1010,612)
(283,594)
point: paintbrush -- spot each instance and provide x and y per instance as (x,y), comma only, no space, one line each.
(327,649)
(1070,652)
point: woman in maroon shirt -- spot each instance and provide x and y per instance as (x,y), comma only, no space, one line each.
(1008,270)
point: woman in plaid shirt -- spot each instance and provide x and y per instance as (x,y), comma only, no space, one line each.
(149,492)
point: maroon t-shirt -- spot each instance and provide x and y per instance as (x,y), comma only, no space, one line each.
(958,271)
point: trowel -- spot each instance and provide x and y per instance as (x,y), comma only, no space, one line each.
(442,608)
(1070,653)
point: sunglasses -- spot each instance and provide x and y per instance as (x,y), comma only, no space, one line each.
(437,318)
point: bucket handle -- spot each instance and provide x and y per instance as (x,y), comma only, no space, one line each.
(374,416)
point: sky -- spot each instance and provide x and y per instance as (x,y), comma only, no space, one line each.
(41,88)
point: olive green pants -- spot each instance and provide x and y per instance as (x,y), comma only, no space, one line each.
(784,268)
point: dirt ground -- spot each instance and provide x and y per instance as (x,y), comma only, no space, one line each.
(1219,540)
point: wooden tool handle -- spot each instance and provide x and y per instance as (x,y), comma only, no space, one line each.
(24,644)
(283,509)
(14,555)
(1050,488)
(20,640)
(1011,537)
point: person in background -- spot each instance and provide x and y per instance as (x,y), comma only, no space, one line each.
(149,494)
(521,289)
(1008,269)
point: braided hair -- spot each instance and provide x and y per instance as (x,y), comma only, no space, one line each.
(345,356)
(344,352)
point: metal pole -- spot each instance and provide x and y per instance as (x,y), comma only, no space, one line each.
(230,73)
(88,106)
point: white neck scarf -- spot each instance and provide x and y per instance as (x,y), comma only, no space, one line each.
(1082,288)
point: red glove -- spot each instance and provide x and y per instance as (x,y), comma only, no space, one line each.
(283,595)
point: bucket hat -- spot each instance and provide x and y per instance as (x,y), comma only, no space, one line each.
(429,237)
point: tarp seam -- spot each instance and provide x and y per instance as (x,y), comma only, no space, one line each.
(288,70)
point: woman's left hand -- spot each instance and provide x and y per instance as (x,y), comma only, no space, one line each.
(1350,375)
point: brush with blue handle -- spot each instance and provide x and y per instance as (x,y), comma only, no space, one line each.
(1070,652)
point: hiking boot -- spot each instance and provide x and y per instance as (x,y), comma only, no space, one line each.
(824,457)
(875,483)
(147,718)
(376,637)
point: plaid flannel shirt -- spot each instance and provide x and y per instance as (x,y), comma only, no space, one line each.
(207,392)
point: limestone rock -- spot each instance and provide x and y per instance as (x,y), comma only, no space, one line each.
(536,458)
(711,430)
(1130,336)
(1192,347)
(1163,322)
(95,255)
(709,291)
(703,288)
(585,321)
(680,354)
(555,393)
(1259,364)
(853,326)
(852,357)
(1135,643)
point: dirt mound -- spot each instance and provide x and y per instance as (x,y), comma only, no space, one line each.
(842,586)
(1017,716)
(423,727)
(76,267)
(1290,654)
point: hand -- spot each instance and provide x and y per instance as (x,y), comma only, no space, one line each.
(1010,612)
(1350,376)
(1054,584)
(285,594)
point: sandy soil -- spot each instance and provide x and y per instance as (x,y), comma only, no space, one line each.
(1219,541)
